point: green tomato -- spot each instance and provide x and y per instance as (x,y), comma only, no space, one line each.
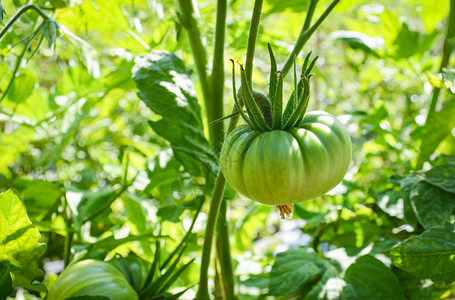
(283,167)
(91,278)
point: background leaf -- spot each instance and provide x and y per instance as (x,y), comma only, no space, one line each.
(357,40)
(432,205)
(165,86)
(429,255)
(436,130)
(19,243)
(442,176)
(369,278)
(6,284)
(291,270)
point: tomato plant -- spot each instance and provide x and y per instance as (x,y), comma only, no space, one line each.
(113,146)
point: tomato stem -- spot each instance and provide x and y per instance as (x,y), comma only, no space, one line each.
(17,15)
(305,34)
(254,28)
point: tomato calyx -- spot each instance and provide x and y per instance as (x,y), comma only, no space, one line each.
(266,113)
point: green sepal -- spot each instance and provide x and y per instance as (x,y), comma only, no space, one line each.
(305,107)
(278,107)
(290,105)
(273,76)
(305,63)
(224,118)
(256,117)
(236,100)
(295,83)
(307,71)
(302,106)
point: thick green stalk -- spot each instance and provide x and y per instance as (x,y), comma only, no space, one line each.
(217,196)
(217,92)
(217,77)
(224,253)
(306,34)
(189,22)
(446,53)
(17,15)
(218,191)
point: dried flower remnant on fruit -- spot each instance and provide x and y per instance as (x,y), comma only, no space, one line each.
(285,210)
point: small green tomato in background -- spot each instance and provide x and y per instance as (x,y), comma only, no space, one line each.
(91,278)
(291,157)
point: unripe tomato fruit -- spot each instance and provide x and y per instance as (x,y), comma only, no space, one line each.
(281,167)
(91,278)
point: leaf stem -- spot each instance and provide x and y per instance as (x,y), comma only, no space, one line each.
(17,15)
(446,53)
(305,34)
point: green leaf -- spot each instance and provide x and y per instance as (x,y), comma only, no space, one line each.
(309,216)
(20,248)
(22,87)
(431,204)
(442,176)
(292,269)
(329,286)
(6,283)
(92,203)
(436,130)
(429,255)
(171,212)
(110,243)
(406,42)
(59,3)
(369,278)
(39,196)
(449,79)
(357,40)
(392,202)
(166,88)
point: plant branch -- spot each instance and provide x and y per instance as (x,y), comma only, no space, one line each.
(252,38)
(306,34)
(224,253)
(216,131)
(309,15)
(17,15)
(218,191)
(217,137)
(188,20)
(446,53)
